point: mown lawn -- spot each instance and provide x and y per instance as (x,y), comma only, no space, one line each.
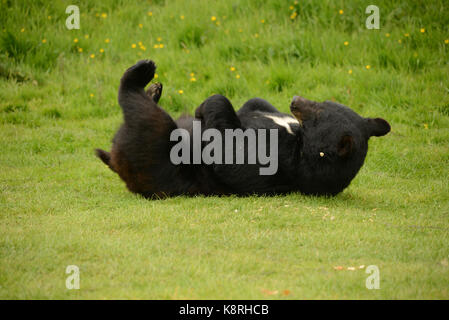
(60,206)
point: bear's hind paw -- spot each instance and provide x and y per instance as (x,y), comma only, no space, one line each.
(139,74)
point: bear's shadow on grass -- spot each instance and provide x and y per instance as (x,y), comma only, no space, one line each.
(345,200)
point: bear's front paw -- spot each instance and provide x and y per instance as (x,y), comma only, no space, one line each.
(155,91)
(139,74)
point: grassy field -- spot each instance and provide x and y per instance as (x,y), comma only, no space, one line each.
(60,205)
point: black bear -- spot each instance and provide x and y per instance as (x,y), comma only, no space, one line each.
(320,148)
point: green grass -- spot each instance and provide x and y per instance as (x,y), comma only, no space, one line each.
(59,205)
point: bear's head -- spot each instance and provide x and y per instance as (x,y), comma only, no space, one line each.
(335,143)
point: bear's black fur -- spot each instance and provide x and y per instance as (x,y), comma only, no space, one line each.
(320,150)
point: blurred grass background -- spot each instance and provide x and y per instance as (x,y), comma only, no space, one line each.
(59,205)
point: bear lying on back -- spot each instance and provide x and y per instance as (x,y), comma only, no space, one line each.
(320,147)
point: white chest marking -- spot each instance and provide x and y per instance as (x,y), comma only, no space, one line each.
(283,121)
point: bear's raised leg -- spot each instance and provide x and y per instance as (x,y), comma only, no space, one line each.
(135,103)
(141,148)
(140,111)
(257,104)
(217,112)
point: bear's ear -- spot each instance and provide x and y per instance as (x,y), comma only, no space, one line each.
(302,108)
(345,146)
(377,127)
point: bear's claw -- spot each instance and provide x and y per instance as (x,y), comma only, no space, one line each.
(155,91)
